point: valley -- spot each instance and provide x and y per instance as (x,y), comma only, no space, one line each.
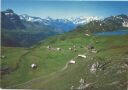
(71,53)
(25,31)
(112,54)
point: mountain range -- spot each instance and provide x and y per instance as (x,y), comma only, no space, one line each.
(48,20)
(112,23)
(24,30)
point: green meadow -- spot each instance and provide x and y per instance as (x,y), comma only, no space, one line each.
(53,71)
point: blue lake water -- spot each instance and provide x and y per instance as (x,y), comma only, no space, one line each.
(110,33)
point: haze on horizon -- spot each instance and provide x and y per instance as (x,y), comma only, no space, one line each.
(66,9)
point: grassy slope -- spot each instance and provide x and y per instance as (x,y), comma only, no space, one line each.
(49,61)
(12,59)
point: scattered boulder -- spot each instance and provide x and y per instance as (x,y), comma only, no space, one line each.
(94,67)
(73,49)
(81,81)
(72,87)
(83,85)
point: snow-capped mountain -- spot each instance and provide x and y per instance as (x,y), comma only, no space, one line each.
(48,20)
(29,30)
(83,20)
(30,18)
(59,25)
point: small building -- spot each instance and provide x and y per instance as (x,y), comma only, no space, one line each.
(70,48)
(2,56)
(87,34)
(90,47)
(72,62)
(48,47)
(58,49)
(83,56)
(94,51)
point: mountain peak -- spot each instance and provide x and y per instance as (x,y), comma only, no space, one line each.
(9,11)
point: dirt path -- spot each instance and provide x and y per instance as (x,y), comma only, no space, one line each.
(42,77)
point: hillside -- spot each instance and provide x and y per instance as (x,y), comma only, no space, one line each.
(103,69)
(77,59)
(25,31)
(111,23)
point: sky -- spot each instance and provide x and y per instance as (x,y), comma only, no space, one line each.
(66,9)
